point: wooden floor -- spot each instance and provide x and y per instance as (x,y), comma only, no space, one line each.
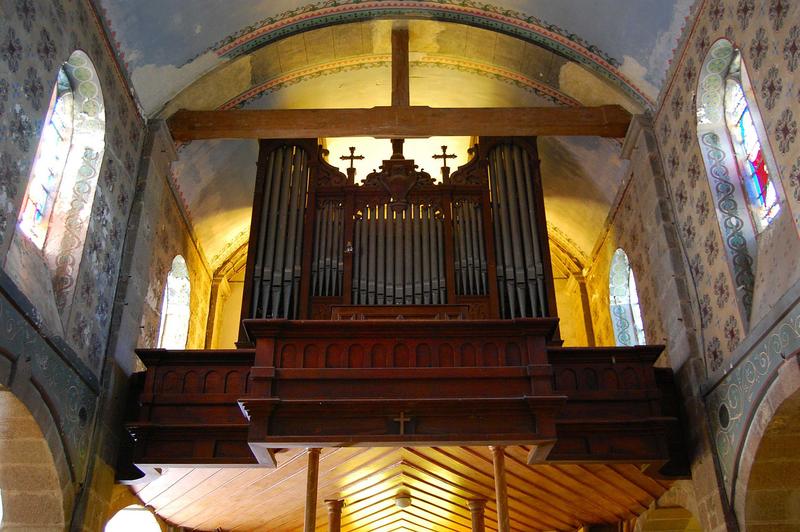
(440,480)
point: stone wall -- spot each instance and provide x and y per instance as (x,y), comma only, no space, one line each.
(570,310)
(642,223)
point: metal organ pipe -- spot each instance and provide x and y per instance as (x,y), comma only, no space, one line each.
(259,262)
(401,258)
(278,261)
(519,260)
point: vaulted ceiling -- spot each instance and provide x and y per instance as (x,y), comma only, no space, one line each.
(289,54)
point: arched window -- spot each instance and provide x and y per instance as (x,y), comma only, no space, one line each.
(737,163)
(760,191)
(63,179)
(134,518)
(626,315)
(175,308)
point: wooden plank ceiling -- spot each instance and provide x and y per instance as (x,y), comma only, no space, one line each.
(440,480)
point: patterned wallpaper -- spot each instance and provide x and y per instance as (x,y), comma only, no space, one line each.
(35,39)
(173,238)
(768,34)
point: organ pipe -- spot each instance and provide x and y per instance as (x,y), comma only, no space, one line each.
(278,264)
(474,241)
(520,272)
(402,255)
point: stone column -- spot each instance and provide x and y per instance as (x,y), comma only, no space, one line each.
(501,492)
(334,514)
(476,509)
(310,521)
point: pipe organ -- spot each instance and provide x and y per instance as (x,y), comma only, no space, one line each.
(398,244)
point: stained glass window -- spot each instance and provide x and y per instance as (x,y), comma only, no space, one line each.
(760,191)
(48,165)
(626,314)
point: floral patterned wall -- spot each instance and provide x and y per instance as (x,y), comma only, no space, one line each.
(35,39)
(768,34)
(173,238)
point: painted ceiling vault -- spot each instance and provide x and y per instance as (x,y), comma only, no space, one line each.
(168,44)
(268,54)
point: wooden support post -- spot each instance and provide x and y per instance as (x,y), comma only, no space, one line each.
(310,522)
(501,492)
(400,89)
(334,514)
(476,509)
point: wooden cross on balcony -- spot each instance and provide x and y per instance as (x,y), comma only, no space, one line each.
(402,420)
(351,171)
(445,169)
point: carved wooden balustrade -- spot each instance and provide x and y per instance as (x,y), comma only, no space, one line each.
(405,382)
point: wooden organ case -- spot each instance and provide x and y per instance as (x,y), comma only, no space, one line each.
(398,244)
(400,311)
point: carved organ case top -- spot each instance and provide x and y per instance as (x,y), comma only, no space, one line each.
(398,245)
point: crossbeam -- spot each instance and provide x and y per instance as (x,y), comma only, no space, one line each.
(403,122)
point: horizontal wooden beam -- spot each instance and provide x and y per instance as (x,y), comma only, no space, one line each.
(602,121)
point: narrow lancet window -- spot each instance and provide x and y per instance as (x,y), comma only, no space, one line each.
(175,309)
(626,314)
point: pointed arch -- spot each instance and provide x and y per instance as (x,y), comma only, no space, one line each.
(626,314)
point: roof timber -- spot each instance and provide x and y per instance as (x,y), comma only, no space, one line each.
(405,122)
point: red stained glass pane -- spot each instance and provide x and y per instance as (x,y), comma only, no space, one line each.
(761,173)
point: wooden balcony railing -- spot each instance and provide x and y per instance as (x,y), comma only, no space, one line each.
(405,383)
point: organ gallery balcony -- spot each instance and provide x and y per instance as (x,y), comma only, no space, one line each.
(406,383)
(402,312)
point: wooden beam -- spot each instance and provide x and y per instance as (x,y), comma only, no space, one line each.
(400,88)
(399,122)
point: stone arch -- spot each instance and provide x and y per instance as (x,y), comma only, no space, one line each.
(674,511)
(134,517)
(30,483)
(767,484)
